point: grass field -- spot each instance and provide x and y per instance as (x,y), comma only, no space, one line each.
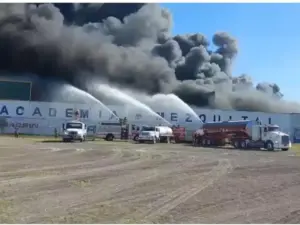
(296,147)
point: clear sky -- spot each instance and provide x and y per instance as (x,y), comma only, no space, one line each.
(268,37)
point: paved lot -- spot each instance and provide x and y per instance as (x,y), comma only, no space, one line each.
(101,182)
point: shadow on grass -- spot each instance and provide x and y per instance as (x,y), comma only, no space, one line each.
(61,141)
(50,141)
(73,141)
(231,148)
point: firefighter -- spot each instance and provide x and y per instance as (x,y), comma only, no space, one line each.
(198,137)
(176,134)
(194,139)
(77,114)
(55,133)
(16,131)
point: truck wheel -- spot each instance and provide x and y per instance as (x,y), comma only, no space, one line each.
(135,138)
(284,149)
(157,139)
(236,144)
(243,144)
(109,137)
(269,146)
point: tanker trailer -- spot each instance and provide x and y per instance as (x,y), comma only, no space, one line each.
(245,134)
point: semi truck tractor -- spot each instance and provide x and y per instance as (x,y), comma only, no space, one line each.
(245,134)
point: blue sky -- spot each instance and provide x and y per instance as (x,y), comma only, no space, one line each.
(268,37)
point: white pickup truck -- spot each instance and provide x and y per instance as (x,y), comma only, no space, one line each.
(74,130)
(155,134)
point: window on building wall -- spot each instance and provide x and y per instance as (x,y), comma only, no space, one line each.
(15,90)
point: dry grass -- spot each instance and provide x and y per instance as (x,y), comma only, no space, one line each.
(81,183)
(296,149)
(6,211)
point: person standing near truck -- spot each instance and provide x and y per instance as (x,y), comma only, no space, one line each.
(197,137)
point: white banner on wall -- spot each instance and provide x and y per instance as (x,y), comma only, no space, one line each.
(44,117)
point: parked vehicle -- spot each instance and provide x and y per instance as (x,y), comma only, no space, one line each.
(74,130)
(155,134)
(148,134)
(243,134)
(109,130)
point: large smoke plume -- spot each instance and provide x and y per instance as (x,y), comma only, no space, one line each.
(129,45)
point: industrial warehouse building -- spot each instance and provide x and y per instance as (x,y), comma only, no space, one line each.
(19,107)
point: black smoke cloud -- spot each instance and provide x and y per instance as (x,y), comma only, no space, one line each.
(129,45)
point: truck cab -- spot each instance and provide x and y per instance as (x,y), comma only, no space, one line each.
(74,130)
(155,134)
(271,137)
(148,133)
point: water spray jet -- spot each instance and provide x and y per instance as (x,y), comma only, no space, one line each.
(113,94)
(69,91)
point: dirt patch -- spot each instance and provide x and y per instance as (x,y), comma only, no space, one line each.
(129,183)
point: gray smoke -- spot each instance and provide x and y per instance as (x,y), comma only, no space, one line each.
(129,45)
